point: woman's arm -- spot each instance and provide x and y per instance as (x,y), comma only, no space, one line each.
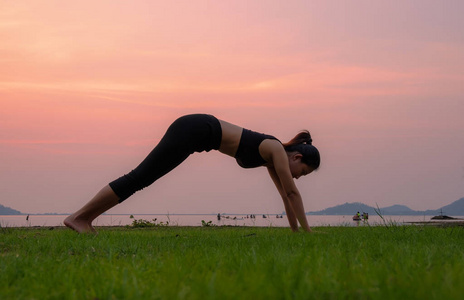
(287,188)
(288,208)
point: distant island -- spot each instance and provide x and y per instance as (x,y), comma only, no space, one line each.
(8,211)
(456,208)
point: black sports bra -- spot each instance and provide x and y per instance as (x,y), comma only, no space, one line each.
(247,155)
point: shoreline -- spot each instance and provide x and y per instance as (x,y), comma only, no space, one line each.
(442,223)
(48,221)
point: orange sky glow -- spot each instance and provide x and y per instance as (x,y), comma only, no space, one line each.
(88,88)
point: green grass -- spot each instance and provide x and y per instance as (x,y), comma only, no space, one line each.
(384,262)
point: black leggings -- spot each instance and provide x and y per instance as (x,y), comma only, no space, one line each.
(188,134)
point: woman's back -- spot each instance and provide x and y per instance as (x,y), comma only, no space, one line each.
(231,135)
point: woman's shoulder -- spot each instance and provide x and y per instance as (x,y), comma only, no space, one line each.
(272,145)
(271,148)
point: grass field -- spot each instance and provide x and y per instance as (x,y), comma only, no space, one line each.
(382,262)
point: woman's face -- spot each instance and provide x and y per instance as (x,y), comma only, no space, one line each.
(297,167)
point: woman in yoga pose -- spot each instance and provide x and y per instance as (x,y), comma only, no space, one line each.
(201,132)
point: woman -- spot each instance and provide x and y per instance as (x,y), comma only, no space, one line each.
(201,132)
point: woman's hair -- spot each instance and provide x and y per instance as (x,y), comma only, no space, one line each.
(302,143)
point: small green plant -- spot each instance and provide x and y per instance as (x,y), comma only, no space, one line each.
(207,224)
(141,223)
(387,224)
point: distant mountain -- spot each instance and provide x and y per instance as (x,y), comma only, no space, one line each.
(8,211)
(405,211)
(345,209)
(454,209)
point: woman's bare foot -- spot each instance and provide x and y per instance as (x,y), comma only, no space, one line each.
(79,225)
(81,220)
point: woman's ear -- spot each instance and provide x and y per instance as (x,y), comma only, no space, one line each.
(297,156)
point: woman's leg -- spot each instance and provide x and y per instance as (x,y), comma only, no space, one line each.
(188,134)
(167,155)
(81,220)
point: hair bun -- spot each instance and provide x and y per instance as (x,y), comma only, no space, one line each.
(302,138)
(309,139)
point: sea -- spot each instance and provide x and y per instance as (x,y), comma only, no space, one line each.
(258,220)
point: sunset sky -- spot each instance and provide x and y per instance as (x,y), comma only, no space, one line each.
(88,88)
